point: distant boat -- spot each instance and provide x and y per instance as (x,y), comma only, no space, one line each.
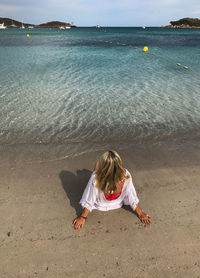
(143,27)
(67,27)
(2,26)
(72,24)
(22,27)
(98,26)
(62,27)
(30,27)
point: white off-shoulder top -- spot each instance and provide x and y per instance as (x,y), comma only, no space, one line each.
(93,197)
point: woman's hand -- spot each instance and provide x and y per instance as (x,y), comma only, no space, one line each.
(145,218)
(78,223)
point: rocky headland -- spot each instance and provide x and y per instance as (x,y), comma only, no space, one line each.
(8,22)
(56,24)
(184,23)
(14,23)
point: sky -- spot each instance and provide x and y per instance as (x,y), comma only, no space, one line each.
(101,12)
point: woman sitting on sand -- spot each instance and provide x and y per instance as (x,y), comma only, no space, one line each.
(109,187)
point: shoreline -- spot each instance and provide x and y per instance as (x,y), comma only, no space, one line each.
(40,200)
(50,152)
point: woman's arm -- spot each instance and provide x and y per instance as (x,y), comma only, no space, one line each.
(87,201)
(133,201)
(85,212)
(145,218)
(80,221)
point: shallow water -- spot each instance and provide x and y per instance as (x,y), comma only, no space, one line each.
(86,88)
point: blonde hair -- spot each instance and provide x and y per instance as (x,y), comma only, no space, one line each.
(109,172)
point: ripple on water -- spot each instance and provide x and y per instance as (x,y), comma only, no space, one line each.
(60,88)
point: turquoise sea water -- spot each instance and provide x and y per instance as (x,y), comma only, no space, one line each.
(89,88)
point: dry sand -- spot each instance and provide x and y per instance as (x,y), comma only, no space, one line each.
(38,202)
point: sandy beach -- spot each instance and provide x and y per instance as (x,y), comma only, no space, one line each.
(38,202)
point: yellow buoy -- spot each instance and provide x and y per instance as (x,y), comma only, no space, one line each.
(185,67)
(27,35)
(145,49)
(178,64)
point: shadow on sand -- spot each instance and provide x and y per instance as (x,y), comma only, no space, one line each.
(74,185)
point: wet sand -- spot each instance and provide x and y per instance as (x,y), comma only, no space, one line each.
(38,202)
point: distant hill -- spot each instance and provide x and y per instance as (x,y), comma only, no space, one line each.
(192,22)
(56,24)
(8,22)
(186,22)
